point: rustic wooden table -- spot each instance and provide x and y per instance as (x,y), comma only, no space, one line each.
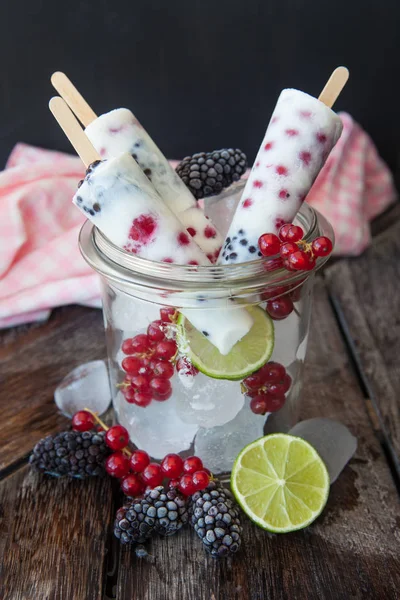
(56,540)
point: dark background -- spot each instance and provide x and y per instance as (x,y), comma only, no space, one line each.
(199,74)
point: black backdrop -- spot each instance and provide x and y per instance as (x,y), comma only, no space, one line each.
(199,74)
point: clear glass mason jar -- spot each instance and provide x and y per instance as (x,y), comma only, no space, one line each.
(212,418)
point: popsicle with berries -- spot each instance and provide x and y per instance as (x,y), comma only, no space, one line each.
(123,204)
(119,131)
(302,132)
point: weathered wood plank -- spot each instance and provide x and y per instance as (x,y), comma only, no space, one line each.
(350,552)
(386,219)
(33,360)
(367,292)
(53,537)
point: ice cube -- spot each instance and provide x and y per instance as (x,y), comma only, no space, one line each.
(207,402)
(220,209)
(287,339)
(156,428)
(331,439)
(131,314)
(86,386)
(219,446)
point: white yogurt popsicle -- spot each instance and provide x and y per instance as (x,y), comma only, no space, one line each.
(298,140)
(119,199)
(119,131)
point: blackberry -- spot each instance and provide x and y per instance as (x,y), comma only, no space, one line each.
(133,524)
(72,453)
(207,173)
(215,517)
(168,508)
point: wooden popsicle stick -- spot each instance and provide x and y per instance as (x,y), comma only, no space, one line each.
(334,86)
(73,98)
(73,130)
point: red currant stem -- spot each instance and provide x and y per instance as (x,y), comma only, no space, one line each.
(124,384)
(105,427)
(243,388)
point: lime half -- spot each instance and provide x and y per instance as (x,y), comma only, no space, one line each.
(246,356)
(280,482)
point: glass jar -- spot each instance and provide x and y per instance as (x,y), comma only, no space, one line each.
(196,413)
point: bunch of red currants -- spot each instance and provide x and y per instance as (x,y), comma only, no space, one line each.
(135,470)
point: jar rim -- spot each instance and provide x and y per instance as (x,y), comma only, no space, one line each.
(118,265)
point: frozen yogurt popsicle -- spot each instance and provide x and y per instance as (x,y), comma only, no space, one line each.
(119,199)
(298,140)
(119,131)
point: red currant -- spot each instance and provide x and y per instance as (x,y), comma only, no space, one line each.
(117,464)
(291,233)
(83,421)
(201,479)
(140,344)
(280,308)
(283,231)
(161,388)
(127,346)
(287,265)
(152,475)
(132,485)
(155,332)
(192,464)
(275,389)
(322,246)
(139,461)
(186,485)
(273,292)
(287,249)
(168,314)
(140,383)
(131,365)
(117,437)
(141,398)
(273,264)
(300,261)
(172,466)
(269,244)
(258,405)
(166,349)
(146,370)
(174,483)
(129,395)
(272,372)
(295,294)
(163,368)
(254,381)
(274,403)
(184,366)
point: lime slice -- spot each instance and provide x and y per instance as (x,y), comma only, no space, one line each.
(280,482)
(246,356)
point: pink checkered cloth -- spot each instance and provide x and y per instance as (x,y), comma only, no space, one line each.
(40,264)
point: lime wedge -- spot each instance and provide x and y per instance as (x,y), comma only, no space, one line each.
(280,482)
(246,356)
